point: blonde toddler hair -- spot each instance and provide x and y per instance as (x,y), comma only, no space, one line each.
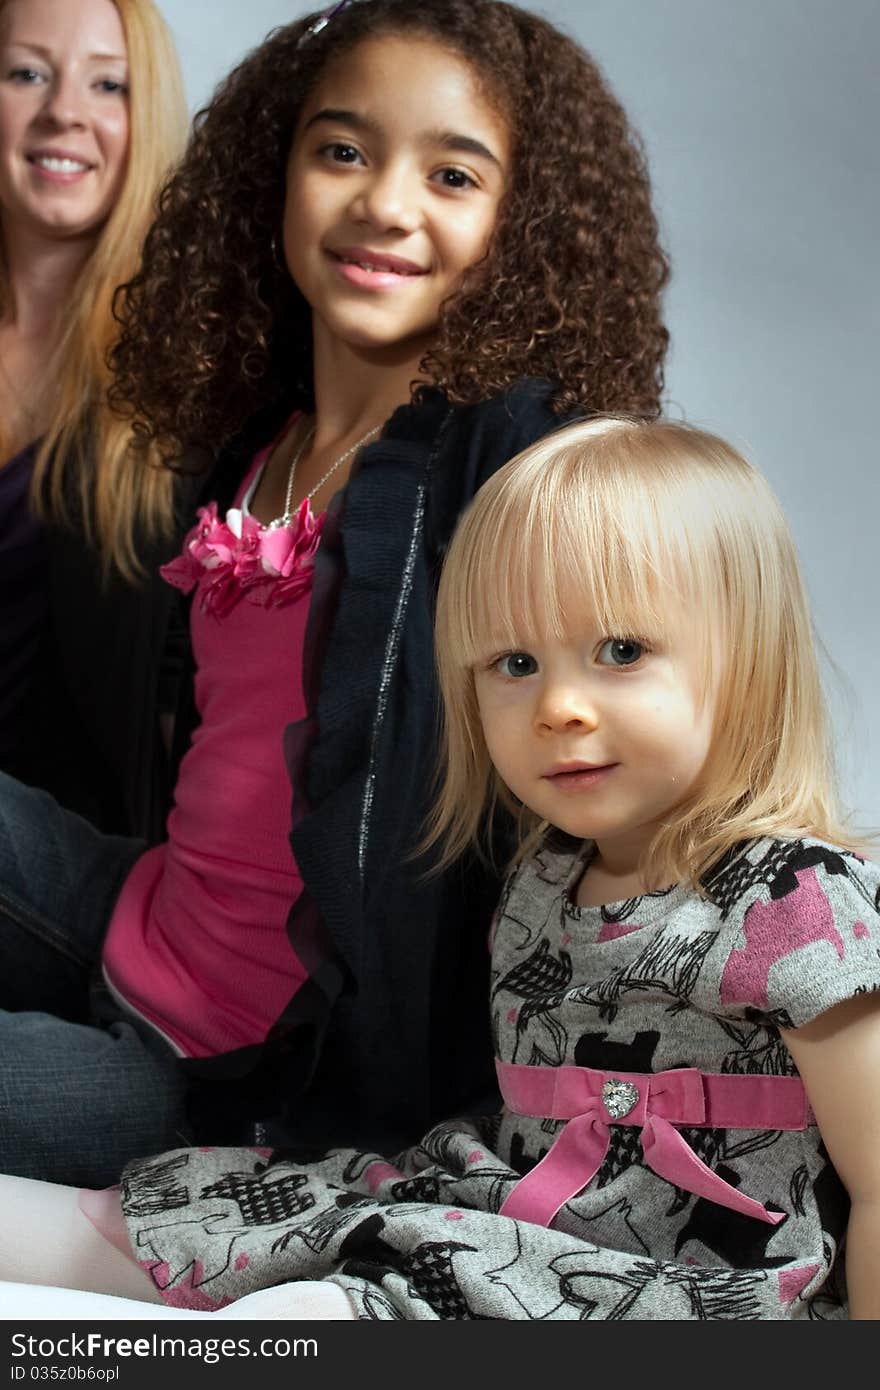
(637,523)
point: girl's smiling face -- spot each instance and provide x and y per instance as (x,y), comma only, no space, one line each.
(395,175)
(64,123)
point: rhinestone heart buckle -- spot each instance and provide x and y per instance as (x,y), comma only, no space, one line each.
(619,1098)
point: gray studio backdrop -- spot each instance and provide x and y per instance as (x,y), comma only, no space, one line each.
(760,120)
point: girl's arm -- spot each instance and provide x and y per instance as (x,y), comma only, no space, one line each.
(838,1057)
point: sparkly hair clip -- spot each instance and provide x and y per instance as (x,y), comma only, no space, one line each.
(323,20)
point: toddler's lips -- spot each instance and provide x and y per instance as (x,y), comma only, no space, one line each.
(579,776)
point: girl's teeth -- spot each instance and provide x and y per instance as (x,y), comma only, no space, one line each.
(374,269)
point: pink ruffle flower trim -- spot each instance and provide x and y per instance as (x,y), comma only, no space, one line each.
(241,558)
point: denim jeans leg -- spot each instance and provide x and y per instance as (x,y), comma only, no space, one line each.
(59,880)
(76,1101)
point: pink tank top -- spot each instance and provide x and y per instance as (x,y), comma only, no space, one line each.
(197,943)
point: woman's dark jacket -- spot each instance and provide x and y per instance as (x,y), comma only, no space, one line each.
(105,668)
(390,1033)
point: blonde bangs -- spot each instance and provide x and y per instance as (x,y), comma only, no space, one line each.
(566,536)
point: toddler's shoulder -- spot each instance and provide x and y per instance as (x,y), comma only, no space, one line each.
(773,869)
(802,918)
(543,878)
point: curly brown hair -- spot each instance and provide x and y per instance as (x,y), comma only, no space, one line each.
(214,329)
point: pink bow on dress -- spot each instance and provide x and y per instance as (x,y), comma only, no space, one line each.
(591,1100)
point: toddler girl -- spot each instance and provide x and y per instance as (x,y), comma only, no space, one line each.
(684,960)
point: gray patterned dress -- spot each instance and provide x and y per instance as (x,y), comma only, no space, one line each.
(605,1013)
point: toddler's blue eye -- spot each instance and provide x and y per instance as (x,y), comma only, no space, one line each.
(621,651)
(517,664)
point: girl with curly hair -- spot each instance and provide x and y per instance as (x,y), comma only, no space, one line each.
(406,241)
(92,117)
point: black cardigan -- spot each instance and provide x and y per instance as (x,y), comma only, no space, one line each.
(391,1032)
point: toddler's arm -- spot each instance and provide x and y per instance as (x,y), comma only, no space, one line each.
(305,1301)
(45,1238)
(838,1057)
(56,1263)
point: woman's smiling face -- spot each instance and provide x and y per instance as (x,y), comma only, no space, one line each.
(64,124)
(396,172)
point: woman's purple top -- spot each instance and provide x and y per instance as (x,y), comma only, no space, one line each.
(24,600)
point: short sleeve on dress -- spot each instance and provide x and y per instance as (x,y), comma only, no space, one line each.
(808,937)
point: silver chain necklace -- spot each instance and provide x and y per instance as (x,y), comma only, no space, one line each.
(287,516)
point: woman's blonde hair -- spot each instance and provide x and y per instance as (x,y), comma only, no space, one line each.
(86,463)
(639,523)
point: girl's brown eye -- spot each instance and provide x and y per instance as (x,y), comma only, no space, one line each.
(342,154)
(455,178)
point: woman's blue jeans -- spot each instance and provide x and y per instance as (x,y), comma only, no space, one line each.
(83,1089)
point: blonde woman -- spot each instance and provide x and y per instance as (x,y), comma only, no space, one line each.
(685,992)
(91,119)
